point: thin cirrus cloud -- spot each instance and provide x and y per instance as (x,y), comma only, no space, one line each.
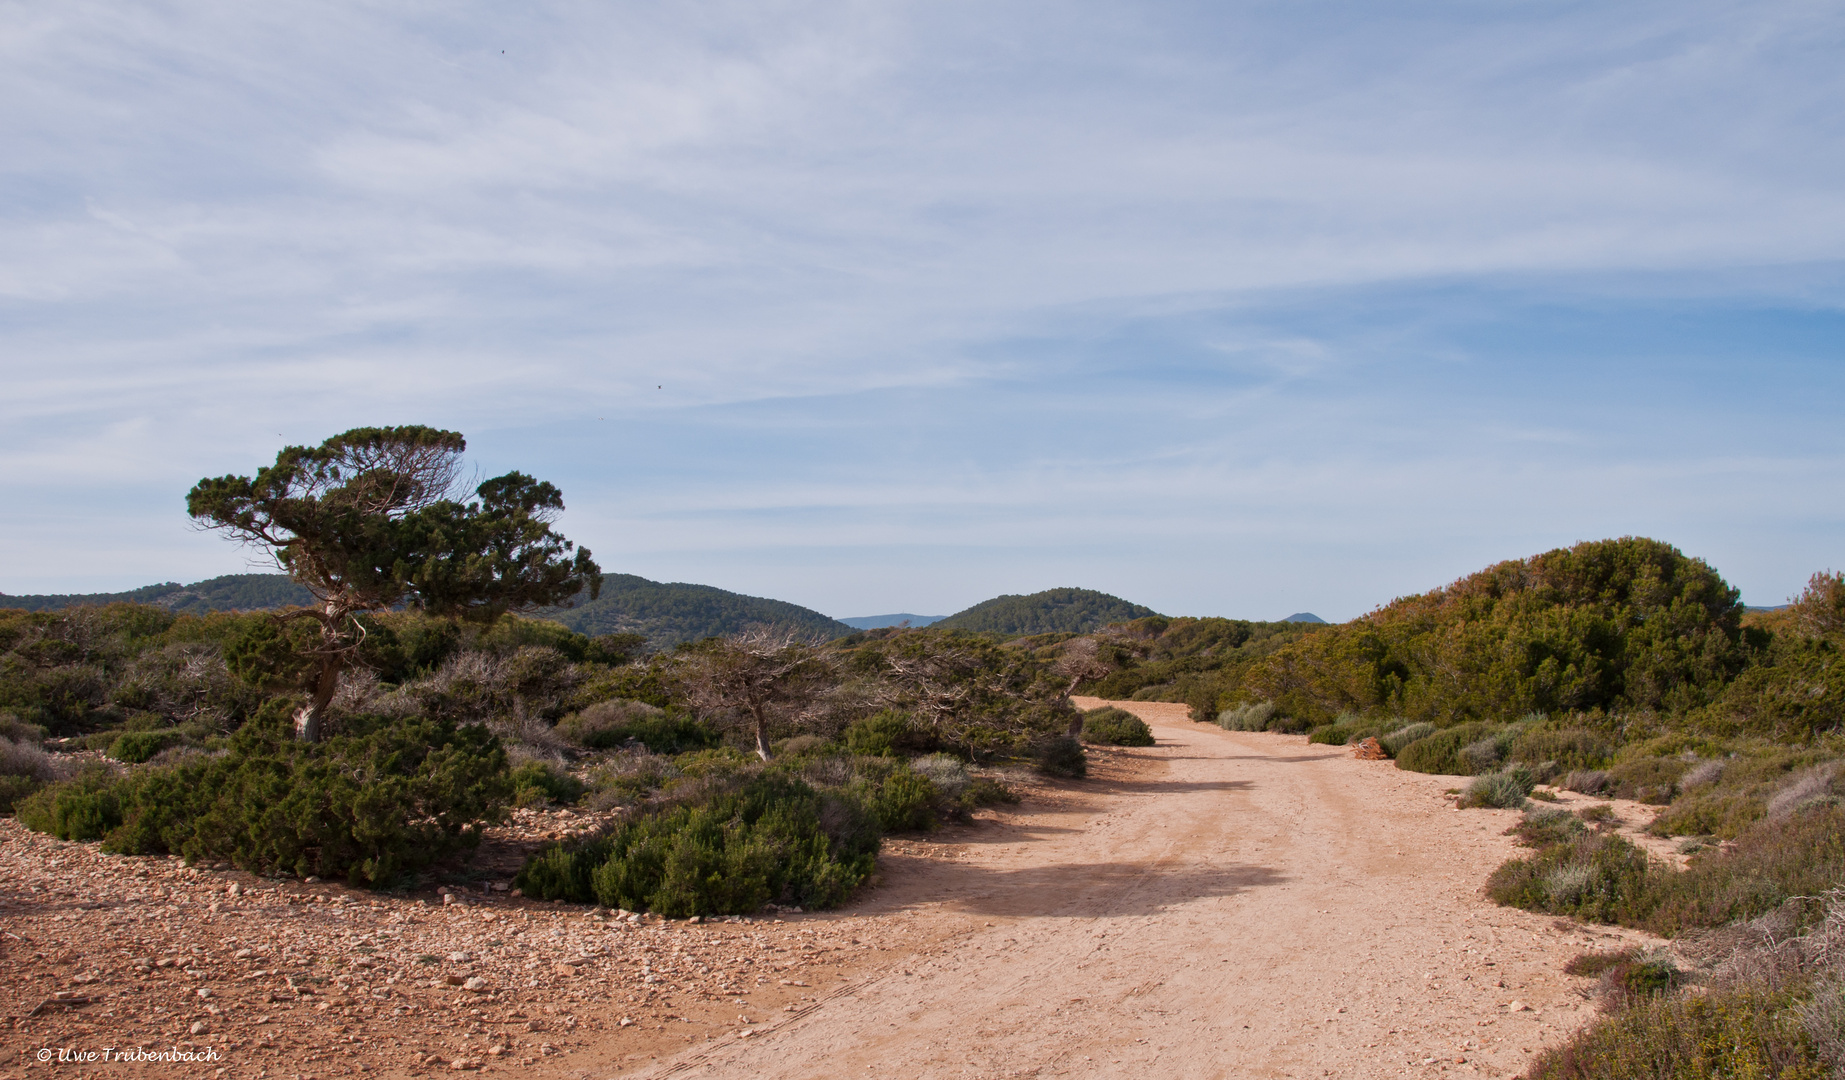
(1232,310)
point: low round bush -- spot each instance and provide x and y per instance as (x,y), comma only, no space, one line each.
(537,783)
(1251,716)
(1506,790)
(885,734)
(1439,753)
(373,805)
(775,839)
(1062,756)
(1394,742)
(1112,726)
(135,747)
(609,725)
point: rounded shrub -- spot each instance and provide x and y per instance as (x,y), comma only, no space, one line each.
(135,747)
(538,783)
(1394,742)
(885,734)
(1251,716)
(1506,790)
(609,725)
(1112,726)
(1440,752)
(1062,756)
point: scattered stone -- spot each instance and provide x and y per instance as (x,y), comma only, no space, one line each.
(199,1027)
(477,985)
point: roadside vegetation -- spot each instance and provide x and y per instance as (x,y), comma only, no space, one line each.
(1618,669)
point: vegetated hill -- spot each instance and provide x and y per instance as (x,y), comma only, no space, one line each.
(1067,611)
(666,613)
(231,592)
(1161,659)
(879,622)
(1628,633)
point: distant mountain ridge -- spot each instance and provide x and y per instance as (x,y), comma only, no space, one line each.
(1304,616)
(230,592)
(667,613)
(879,622)
(1069,610)
(664,613)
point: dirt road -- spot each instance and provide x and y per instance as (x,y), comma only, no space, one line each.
(1219,905)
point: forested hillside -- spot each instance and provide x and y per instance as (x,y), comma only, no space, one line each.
(666,613)
(1053,611)
(231,592)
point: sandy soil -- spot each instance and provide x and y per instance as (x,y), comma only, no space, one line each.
(1218,905)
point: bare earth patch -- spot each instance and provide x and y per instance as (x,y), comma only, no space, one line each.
(1219,905)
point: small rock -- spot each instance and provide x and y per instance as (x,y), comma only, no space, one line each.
(448,898)
(454,980)
(624,1022)
(203,993)
(1519,1006)
(696,919)
(244,954)
(199,1027)
(477,984)
(459,957)
(460,1064)
(518,892)
(234,889)
(563,969)
(310,880)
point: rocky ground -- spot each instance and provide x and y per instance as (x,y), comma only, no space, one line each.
(113,956)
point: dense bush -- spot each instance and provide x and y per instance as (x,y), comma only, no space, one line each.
(772,839)
(371,805)
(1062,756)
(1441,752)
(135,747)
(610,724)
(885,734)
(1251,716)
(1394,742)
(1507,789)
(538,783)
(1112,726)
(1733,1035)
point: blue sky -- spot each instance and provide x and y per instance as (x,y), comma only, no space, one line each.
(1228,309)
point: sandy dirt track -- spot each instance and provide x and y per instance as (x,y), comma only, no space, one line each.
(1219,905)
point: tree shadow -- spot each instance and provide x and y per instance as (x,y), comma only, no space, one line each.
(1075,890)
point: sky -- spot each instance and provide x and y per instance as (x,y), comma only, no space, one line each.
(1228,309)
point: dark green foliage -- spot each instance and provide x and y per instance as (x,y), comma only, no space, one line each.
(1629,624)
(1648,779)
(135,747)
(536,783)
(1111,726)
(1062,756)
(1073,611)
(1591,964)
(372,806)
(610,724)
(982,791)
(899,798)
(13,788)
(772,839)
(1440,753)
(1733,1035)
(1196,661)
(1568,747)
(232,592)
(669,613)
(886,733)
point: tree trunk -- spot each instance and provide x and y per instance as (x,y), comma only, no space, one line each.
(309,716)
(762,734)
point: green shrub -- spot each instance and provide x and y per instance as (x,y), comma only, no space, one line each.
(1648,779)
(135,747)
(1507,789)
(14,788)
(1546,826)
(1593,876)
(947,773)
(609,725)
(1062,756)
(886,734)
(371,805)
(536,783)
(1570,748)
(1251,716)
(1394,742)
(1591,964)
(1440,753)
(1483,755)
(773,839)
(627,777)
(899,798)
(986,792)
(1111,726)
(1735,1035)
